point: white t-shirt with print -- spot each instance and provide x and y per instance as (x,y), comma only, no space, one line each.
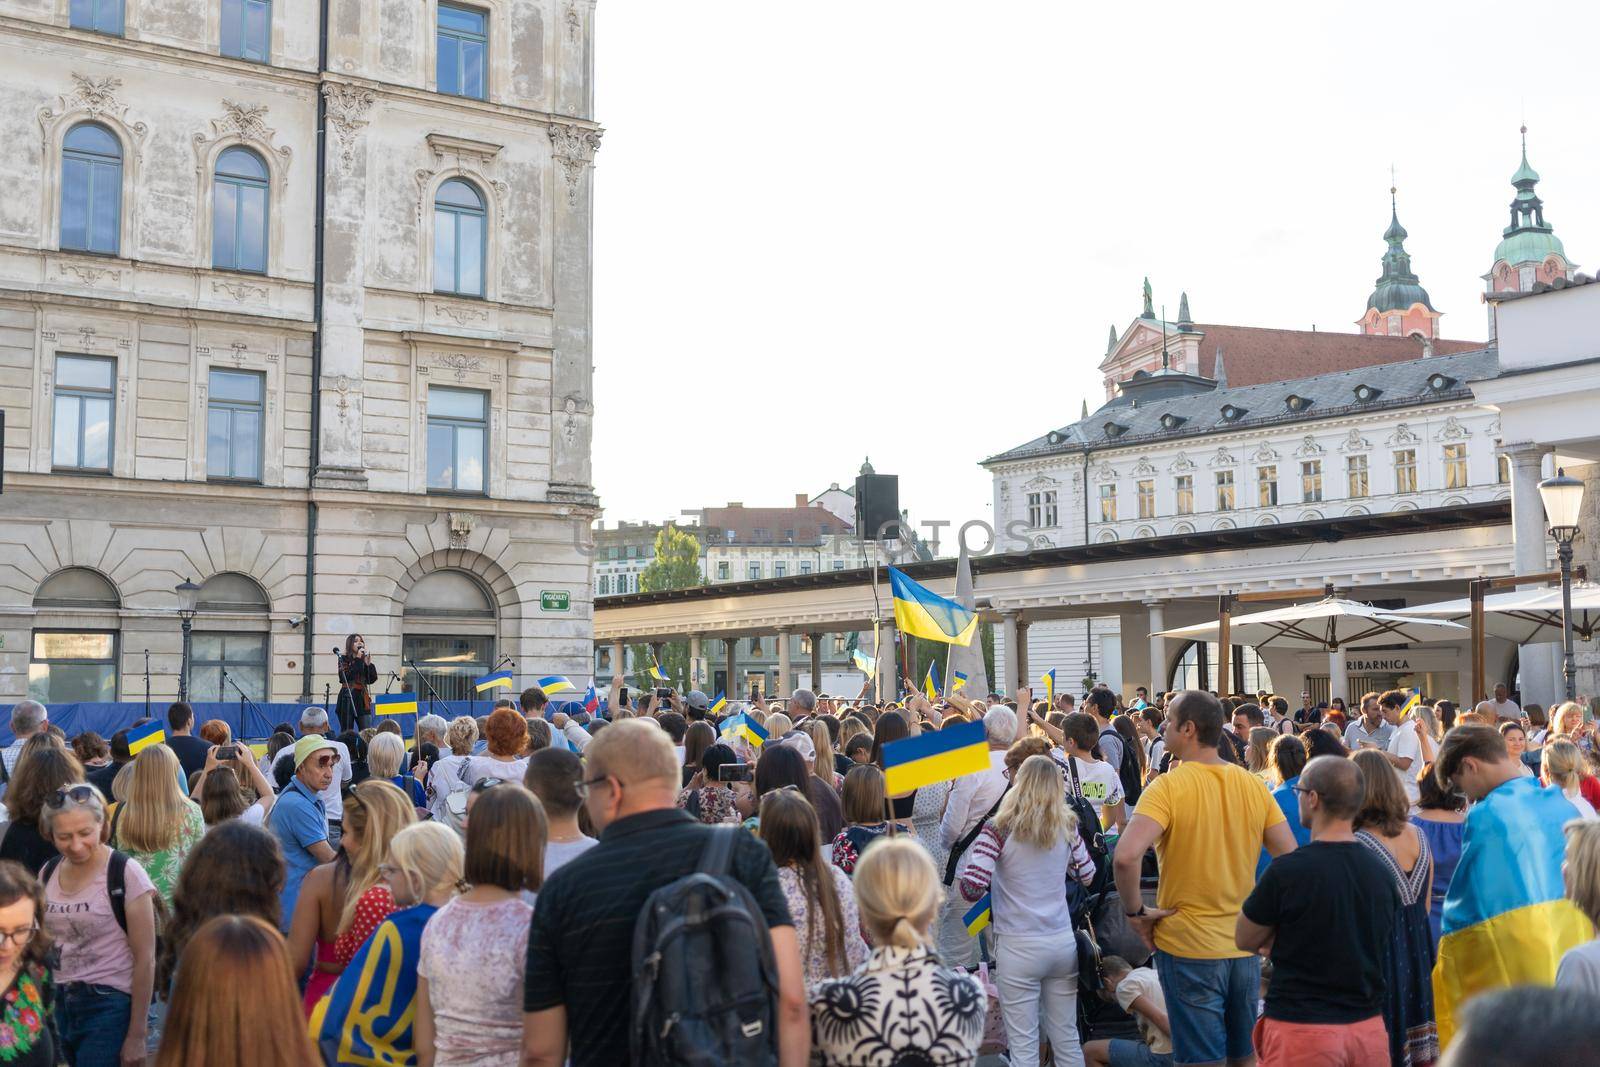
(1404,744)
(1101,785)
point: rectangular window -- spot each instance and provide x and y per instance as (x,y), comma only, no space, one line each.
(1455,466)
(838,564)
(1147,499)
(68,668)
(753,571)
(1311,480)
(1051,517)
(101,16)
(83,413)
(805,566)
(1267,486)
(1355,469)
(1183,489)
(1502,469)
(458,439)
(1405,470)
(1108,503)
(463,39)
(1035,510)
(242,656)
(722,570)
(788,536)
(234,409)
(448,663)
(780,570)
(1225,497)
(247,29)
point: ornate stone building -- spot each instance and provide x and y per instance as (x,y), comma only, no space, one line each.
(301,313)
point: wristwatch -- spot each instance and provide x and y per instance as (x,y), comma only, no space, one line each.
(1135,914)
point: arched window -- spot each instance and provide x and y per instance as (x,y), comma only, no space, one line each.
(229,656)
(239,212)
(228,591)
(91,190)
(449,633)
(76,587)
(1196,668)
(70,662)
(101,16)
(459,218)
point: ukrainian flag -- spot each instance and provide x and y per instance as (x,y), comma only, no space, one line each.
(936,756)
(719,705)
(923,613)
(395,704)
(864,663)
(1506,919)
(958,681)
(489,681)
(744,727)
(142,737)
(554,683)
(1049,680)
(930,684)
(657,673)
(1411,705)
(978,916)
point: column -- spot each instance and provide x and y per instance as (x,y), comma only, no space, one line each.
(1024,676)
(619,660)
(888,662)
(730,646)
(785,675)
(1338,681)
(1540,663)
(1007,682)
(696,671)
(1157,682)
(816,662)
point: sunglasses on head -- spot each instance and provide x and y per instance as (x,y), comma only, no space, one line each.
(78,794)
(487,783)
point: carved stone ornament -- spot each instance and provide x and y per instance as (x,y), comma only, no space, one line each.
(1264,453)
(1224,458)
(462,523)
(89,274)
(459,363)
(343,385)
(460,315)
(574,22)
(1182,464)
(1309,447)
(574,148)
(1354,442)
(1452,430)
(97,97)
(1144,466)
(1402,436)
(1040,482)
(348,106)
(1105,472)
(240,291)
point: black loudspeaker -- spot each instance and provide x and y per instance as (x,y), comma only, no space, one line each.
(878,507)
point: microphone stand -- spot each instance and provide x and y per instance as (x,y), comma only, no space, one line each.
(147,683)
(244,699)
(433,694)
(344,687)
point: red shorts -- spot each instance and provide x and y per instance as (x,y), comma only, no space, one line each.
(1281,1044)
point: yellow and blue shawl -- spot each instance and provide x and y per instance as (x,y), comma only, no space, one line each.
(366,1017)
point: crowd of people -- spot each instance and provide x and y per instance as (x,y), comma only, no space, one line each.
(1179,879)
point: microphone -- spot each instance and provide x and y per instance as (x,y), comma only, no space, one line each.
(336,651)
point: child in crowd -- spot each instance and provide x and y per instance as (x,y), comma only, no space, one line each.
(1137,991)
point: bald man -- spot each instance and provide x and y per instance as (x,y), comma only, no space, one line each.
(579,980)
(1323,914)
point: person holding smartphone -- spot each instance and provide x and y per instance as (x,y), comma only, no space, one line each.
(220,788)
(711,795)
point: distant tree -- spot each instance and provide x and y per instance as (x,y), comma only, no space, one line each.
(676,566)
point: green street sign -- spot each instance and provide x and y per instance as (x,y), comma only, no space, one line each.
(555,600)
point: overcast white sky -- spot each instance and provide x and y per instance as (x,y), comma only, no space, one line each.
(901,228)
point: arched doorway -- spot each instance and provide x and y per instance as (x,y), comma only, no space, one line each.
(449,635)
(1196,668)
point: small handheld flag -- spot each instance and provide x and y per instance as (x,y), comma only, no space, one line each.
(395,704)
(743,726)
(719,705)
(935,757)
(978,916)
(930,682)
(657,673)
(491,680)
(142,737)
(920,612)
(591,701)
(1411,704)
(864,663)
(958,681)
(1049,680)
(554,683)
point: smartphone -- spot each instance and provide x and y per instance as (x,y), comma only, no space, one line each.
(622,695)
(227,752)
(663,693)
(755,693)
(736,772)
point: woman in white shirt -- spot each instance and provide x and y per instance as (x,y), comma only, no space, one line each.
(507,758)
(1022,860)
(448,772)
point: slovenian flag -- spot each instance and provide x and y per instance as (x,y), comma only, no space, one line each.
(978,916)
(591,701)
(937,756)
(395,704)
(142,737)
(490,681)
(553,684)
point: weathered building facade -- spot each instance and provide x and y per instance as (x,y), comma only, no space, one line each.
(343,382)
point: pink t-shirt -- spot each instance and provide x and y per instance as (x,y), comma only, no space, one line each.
(93,947)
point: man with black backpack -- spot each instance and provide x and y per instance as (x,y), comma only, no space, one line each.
(667,942)
(1123,759)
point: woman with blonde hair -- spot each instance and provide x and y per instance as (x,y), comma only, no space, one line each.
(822,745)
(342,902)
(212,1020)
(449,772)
(1580,965)
(1022,859)
(386,762)
(157,824)
(939,1010)
(1256,751)
(369,1014)
(1562,764)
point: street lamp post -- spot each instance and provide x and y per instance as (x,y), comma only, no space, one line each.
(1563,498)
(188,594)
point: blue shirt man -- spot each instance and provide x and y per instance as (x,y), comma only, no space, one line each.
(299,819)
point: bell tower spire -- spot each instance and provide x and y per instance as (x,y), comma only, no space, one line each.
(1399,305)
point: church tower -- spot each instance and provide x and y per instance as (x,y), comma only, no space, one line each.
(1529,251)
(1399,305)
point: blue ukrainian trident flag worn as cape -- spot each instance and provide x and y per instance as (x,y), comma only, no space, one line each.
(366,1017)
(1506,921)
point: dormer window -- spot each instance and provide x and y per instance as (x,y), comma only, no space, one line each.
(1230,413)
(1115,429)
(1366,394)
(1296,402)
(1053,438)
(1440,382)
(1169,421)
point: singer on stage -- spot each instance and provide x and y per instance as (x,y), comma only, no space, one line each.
(356,676)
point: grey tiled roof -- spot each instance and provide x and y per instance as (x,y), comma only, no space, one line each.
(1403,384)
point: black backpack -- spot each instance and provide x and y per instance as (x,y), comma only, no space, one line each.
(1127,770)
(1083,898)
(116,882)
(701,996)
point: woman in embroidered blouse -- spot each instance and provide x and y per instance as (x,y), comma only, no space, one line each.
(158,824)
(1022,859)
(902,1005)
(25,1038)
(342,902)
(471,1015)
(707,799)
(864,811)
(824,910)
(213,1020)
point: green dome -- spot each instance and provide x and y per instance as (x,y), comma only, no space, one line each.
(1528,246)
(1398,296)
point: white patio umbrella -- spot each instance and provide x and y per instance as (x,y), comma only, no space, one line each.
(1524,616)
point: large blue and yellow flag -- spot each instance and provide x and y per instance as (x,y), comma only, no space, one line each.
(1506,920)
(930,683)
(552,684)
(657,673)
(394,704)
(923,613)
(936,756)
(864,663)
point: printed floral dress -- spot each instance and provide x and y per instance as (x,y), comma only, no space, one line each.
(902,1008)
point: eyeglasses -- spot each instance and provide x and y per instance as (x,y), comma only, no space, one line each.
(327,761)
(1303,790)
(487,783)
(582,785)
(78,794)
(19,937)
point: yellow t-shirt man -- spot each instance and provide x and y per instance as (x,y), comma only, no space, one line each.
(1213,818)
